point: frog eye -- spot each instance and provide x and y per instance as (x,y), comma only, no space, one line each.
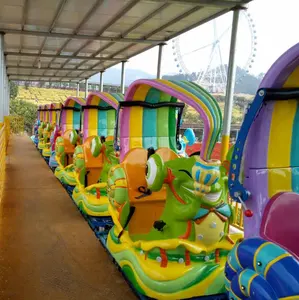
(95,146)
(155,172)
(73,137)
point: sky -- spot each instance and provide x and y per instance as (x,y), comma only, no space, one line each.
(276,26)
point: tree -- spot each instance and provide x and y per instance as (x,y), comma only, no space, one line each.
(14,88)
(26,110)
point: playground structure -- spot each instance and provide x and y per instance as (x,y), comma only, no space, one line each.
(44,109)
(54,121)
(160,234)
(68,137)
(94,158)
(174,238)
(35,136)
(156,240)
(53,112)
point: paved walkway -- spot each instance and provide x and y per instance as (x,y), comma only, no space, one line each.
(47,250)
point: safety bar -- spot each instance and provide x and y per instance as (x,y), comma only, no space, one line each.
(281,94)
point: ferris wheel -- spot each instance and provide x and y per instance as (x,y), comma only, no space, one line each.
(203,52)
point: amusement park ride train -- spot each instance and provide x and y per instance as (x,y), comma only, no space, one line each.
(165,217)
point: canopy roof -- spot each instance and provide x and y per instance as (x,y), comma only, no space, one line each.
(56,106)
(100,113)
(157,91)
(41,107)
(102,99)
(74,102)
(71,40)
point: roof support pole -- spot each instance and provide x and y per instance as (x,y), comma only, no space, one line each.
(101,81)
(86,88)
(8,94)
(122,79)
(78,89)
(2,78)
(160,60)
(231,78)
(6,91)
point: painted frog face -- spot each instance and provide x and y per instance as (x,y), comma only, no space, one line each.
(189,179)
(218,192)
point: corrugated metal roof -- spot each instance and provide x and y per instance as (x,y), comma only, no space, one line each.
(73,39)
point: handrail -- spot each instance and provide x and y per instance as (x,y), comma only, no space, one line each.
(13,124)
(4,136)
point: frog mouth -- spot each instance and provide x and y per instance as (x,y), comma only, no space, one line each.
(212,197)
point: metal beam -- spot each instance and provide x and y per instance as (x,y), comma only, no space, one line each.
(145,19)
(91,38)
(49,69)
(61,56)
(24,18)
(175,20)
(194,25)
(91,11)
(171,22)
(41,80)
(130,56)
(207,3)
(224,11)
(119,14)
(57,14)
(24,13)
(46,76)
(148,17)
(55,18)
(86,18)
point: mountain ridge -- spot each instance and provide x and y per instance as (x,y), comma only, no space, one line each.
(247,85)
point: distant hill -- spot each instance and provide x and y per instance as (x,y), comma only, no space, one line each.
(112,76)
(247,85)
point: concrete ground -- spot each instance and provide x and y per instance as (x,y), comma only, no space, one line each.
(47,250)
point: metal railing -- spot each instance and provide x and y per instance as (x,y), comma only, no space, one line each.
(15,124)
(4,137)
(11,124)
